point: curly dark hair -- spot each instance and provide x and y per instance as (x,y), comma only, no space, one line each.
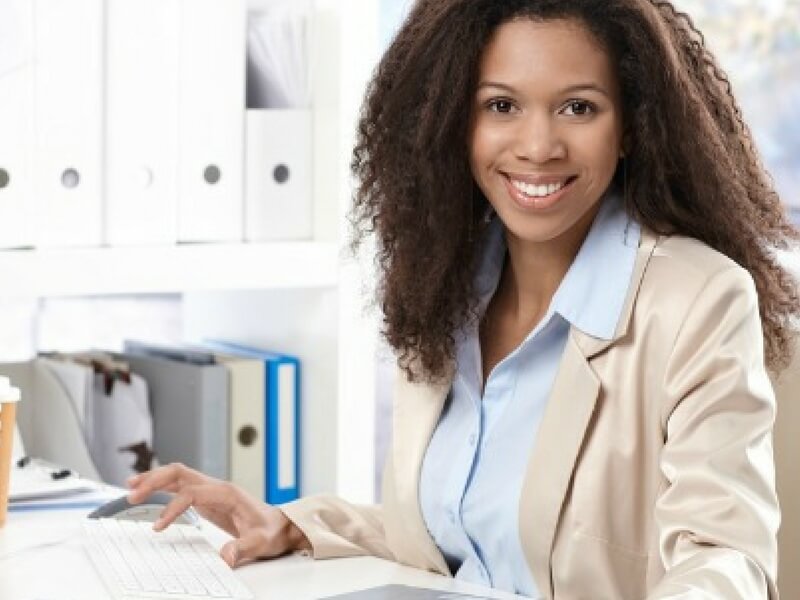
(691,165)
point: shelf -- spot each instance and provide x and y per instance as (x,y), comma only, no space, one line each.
(166,269)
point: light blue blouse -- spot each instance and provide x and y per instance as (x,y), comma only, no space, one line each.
(475,463)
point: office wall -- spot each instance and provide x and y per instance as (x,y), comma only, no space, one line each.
(758,44)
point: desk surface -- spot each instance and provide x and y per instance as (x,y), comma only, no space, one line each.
(41,558)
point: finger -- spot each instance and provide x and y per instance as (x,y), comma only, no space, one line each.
(230,553)
(140,490)
(250,546)
(175,508)
(208,498)
(134,479)
(167,478)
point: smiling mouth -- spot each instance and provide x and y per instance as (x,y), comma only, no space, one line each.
(542,190)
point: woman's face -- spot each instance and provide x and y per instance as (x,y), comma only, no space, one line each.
(546,127)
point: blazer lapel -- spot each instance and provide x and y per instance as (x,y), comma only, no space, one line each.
(417,409)
(562,431)
(558,441)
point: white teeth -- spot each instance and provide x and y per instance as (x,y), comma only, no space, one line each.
(537,191)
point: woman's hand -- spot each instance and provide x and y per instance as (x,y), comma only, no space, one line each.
(260,530)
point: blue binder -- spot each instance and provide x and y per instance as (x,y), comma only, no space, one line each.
(283,418)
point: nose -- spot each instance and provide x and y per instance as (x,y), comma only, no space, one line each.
(539,140)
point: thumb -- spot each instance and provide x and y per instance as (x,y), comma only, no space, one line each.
(230,553)
(249,546)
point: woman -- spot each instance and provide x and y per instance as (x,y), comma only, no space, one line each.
(576,274)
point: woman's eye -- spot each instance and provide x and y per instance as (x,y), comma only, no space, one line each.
(501,106)
(578,108)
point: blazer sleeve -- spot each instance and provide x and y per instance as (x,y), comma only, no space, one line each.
(717,516)
(336,528)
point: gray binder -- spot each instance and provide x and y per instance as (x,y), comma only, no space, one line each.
(189,403)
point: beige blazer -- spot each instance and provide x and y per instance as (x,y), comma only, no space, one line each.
(787,452)
(652,474)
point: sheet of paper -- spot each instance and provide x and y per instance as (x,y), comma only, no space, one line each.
(79,500)
(277,56)
(35,482)
(17,447)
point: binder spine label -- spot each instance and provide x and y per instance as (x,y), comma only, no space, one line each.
(287,421)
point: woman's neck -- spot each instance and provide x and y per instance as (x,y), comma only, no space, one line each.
(534,270)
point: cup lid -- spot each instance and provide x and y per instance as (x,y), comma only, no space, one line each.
(8,393)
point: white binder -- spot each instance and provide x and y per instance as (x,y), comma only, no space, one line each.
(278,190)
(16,123)
(68,100)
(141,123)
(211,120)
(247,391)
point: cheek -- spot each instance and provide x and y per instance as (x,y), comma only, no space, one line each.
(477,164)
(599,148)
(481,159)
(486,144)
(477,148)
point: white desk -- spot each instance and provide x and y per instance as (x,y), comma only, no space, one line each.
(41,558)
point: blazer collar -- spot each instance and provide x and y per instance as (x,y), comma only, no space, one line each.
(564,425)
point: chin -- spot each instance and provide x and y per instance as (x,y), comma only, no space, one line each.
(534,234)
(550,226)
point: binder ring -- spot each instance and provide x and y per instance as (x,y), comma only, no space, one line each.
(212,174)
(247,435)
(281,173)
(70,178)
(5,178)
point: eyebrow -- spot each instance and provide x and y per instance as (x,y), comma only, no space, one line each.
(577,87)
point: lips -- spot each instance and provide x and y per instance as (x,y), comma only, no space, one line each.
(538,179)
(538,192)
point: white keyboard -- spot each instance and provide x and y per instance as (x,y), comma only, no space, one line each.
(178,563)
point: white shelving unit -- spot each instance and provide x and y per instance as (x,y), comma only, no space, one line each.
(160,269)
(300,297)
